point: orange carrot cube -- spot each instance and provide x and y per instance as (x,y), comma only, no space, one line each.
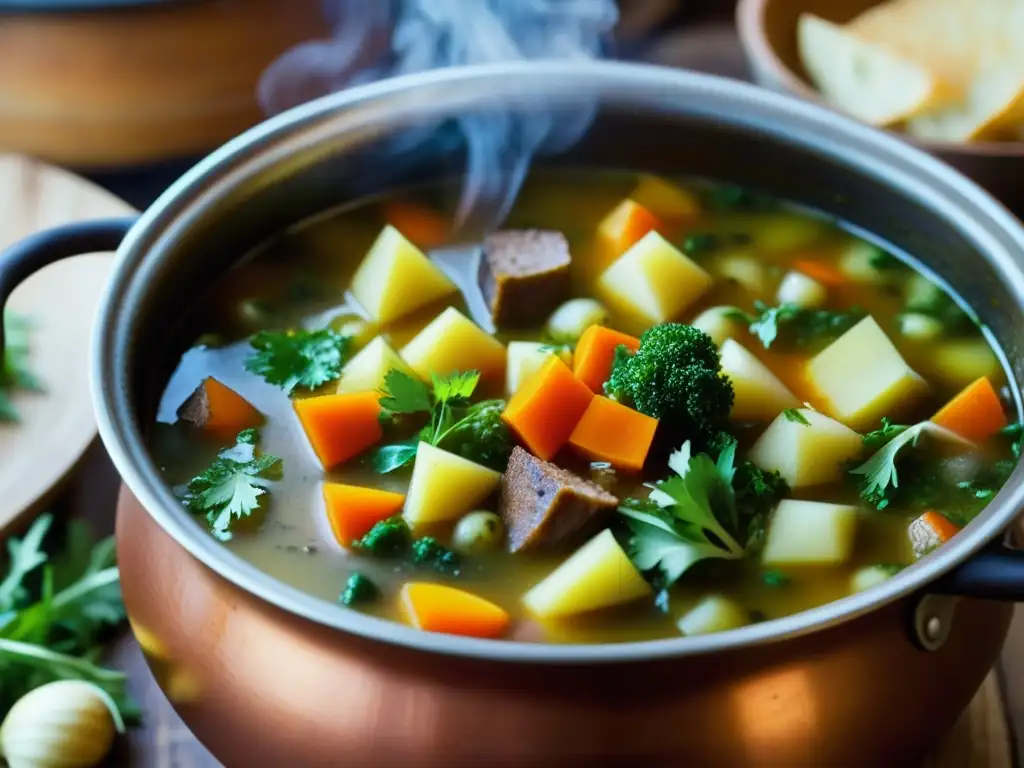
(353,510)
(545,409)
(609,431)
(975,413)
(218,409)
(622,228)
(595,353)
(437,608)
(340,427)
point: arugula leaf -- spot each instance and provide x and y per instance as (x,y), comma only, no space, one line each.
(14,365)
(805,328)
(26,554)
(794,415)
(473,431)
(680,523)
(879,471)
(232,487)
(296,358)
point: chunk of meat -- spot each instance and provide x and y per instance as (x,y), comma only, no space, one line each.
(545,506)
(524,275)
(930,531)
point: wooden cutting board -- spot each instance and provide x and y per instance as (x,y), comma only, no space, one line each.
(35,196)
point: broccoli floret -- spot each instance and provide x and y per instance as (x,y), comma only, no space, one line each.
(359,590)
(428,552)
(676,377)
(481,436)
(388,538)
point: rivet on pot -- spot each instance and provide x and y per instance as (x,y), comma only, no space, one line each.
(933,619)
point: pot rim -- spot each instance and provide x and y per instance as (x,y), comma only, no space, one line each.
(945,191)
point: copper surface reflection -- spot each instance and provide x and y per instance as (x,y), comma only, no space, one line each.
(774,709)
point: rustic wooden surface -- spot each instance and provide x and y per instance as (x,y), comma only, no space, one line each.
(982,739)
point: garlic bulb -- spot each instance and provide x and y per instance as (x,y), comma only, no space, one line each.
(66,724)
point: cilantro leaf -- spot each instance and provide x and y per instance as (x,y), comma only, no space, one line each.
(794,415)
(680,523)
(401,393)
(388,458)
(232,487)
(455,387)
(804,328)
(879,472)
(292,359)
(886,432)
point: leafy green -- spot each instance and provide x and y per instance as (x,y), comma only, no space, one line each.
(684,518)
(699,243)
(938,304)
(883,261)
(15,373)
(886,432)
(428,552)
(726,197)
(233,486)
(296,358)
(359,590)
(794,415)
(676,377)
(476,432)
(774,578)
(880,476)
(55,613)
(388,538)
(800,327)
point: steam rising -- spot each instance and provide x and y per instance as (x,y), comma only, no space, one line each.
(374,39)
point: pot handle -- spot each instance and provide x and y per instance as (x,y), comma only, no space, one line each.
(995,573)
(44,248)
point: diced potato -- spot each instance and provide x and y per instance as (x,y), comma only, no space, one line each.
(395,278)
(918,327)
(868,577)
(365,372)
(713,614)
(719,323)
(445,486)
(810,533)
(571,319)
(665,200)
(742,268)
(760,396)
(526,357)
(653,281)
(452,342)
(598,575)
(806,454)
(803,291)
(958,362)
(862,377)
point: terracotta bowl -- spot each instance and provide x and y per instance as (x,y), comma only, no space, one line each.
(767,30)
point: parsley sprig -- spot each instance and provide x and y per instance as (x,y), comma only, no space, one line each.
(233,486)
(474,431)
(798,326)
(55,613)
(15,373)
(686,518)
(296,358)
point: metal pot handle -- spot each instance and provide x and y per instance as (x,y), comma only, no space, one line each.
(44,248)
(995,573)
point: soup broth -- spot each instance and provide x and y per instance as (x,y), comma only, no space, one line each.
(796,286)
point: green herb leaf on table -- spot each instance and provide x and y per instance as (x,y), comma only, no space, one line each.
(475,432)
(684,518)
(794,415)
(15,373)
(296,358)
(232,487)
(55,613)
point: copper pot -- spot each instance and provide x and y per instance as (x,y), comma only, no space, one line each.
(267,675)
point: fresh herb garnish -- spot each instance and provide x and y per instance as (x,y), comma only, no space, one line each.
(803,328)
(775,578)
(233,486)
(55,613)
(699,243)
(881,479)
(794,415)
(15,373)
(359,590)
(473,431)
(883,261)
(292,359)
(685,517)
(428,552)
(886,432)
(391,539)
